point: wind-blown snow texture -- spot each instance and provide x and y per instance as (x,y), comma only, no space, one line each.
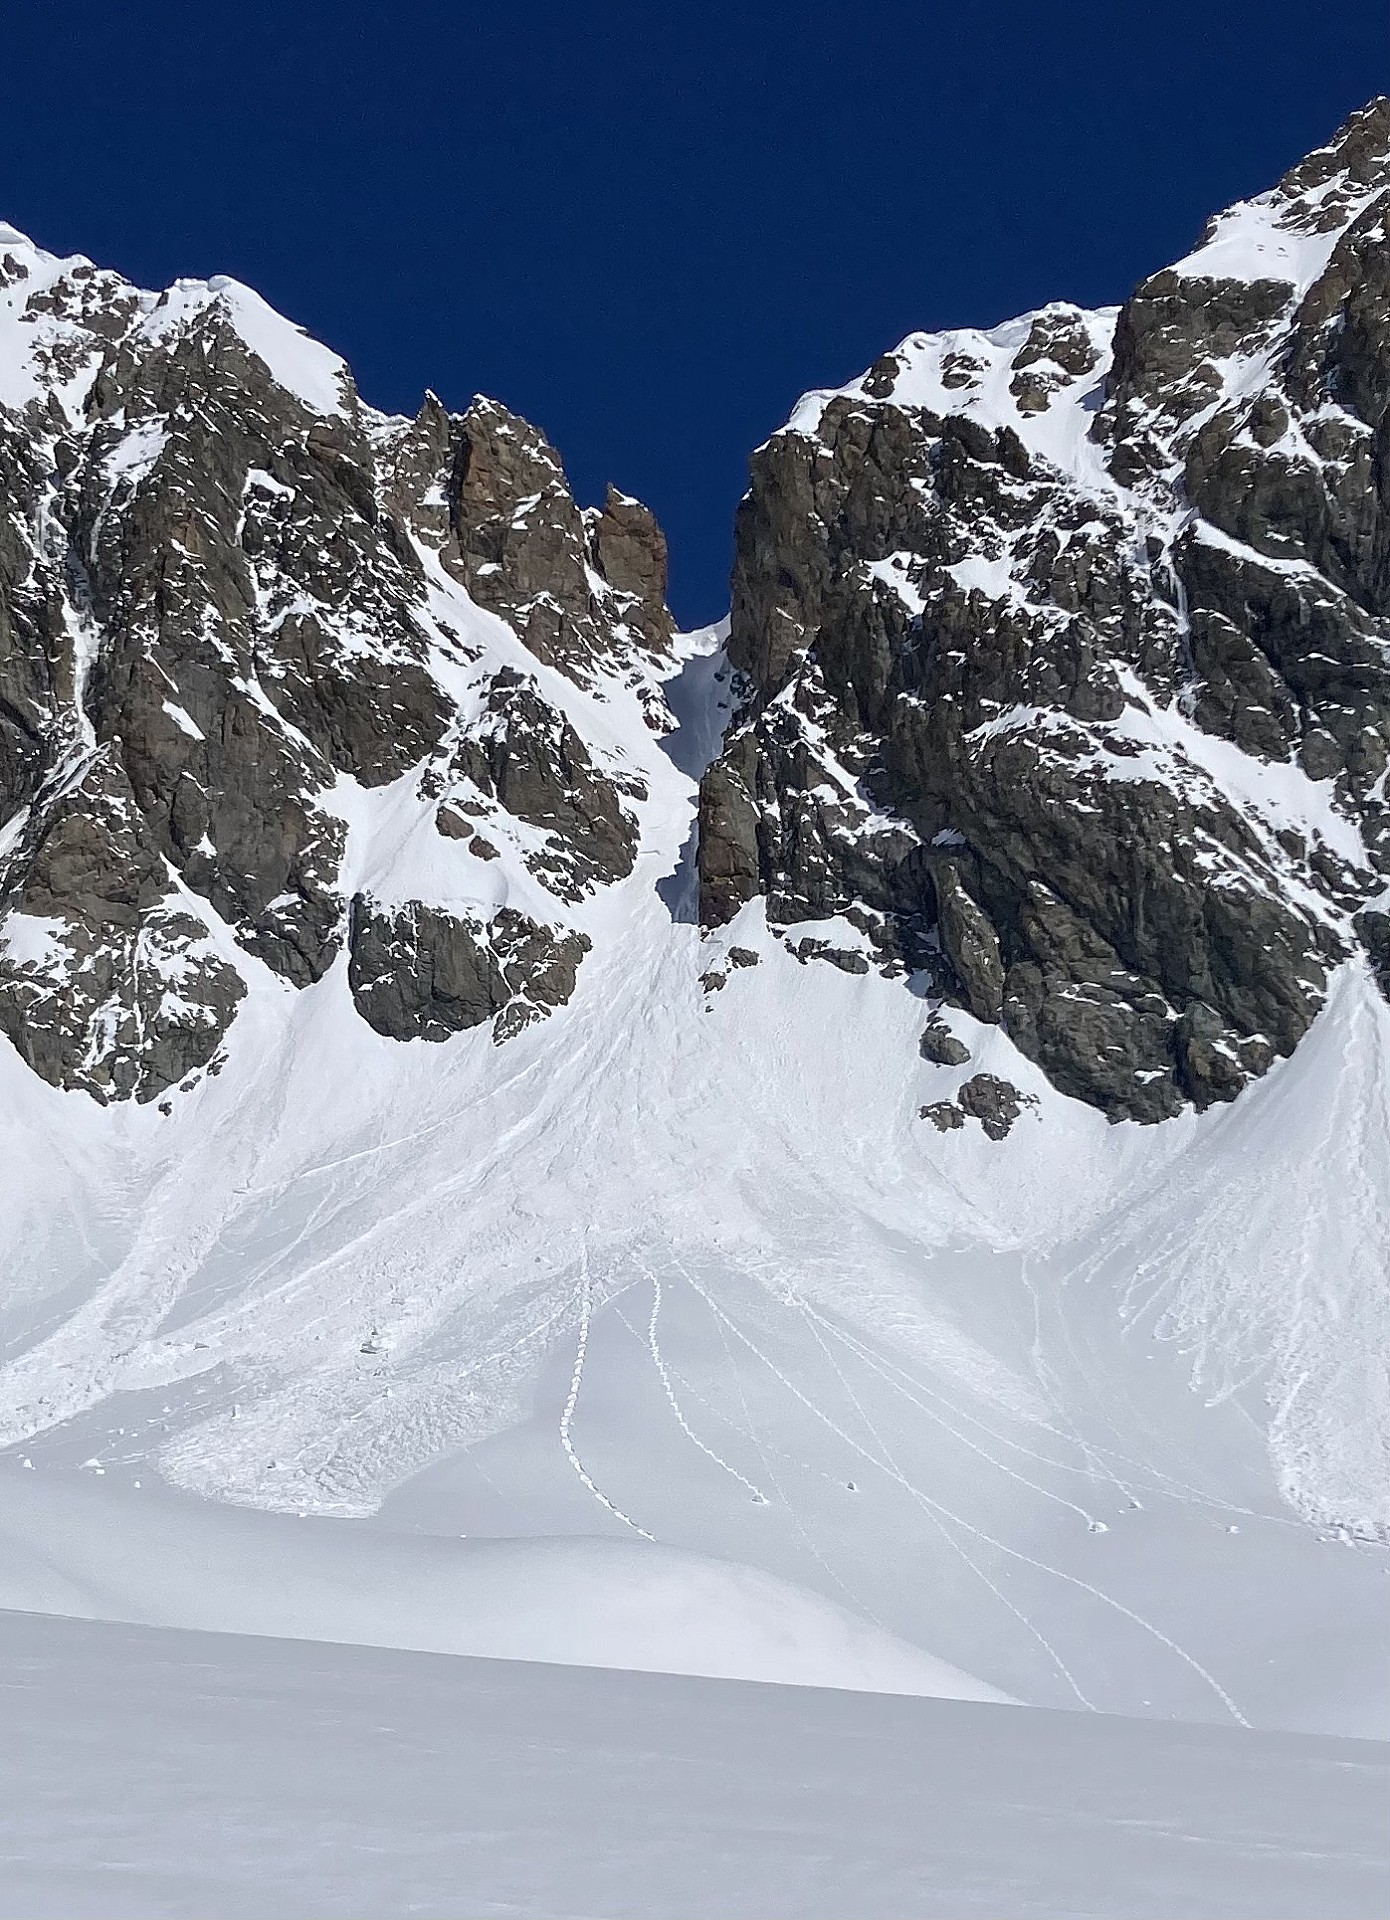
(478,1051)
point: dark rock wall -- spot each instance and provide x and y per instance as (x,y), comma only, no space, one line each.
(980,666)
(213,606)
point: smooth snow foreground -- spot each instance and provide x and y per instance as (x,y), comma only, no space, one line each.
(150,1773)
(75,1549)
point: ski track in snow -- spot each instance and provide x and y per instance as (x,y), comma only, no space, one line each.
(933,1508)
(816,1321)
(674,1404)
(759,1442)
(887,1465)
(572,1401)
(1109,1601)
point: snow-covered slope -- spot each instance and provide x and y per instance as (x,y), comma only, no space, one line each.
(83,1551)
(384,1130)
(163,1773)
(702,1284)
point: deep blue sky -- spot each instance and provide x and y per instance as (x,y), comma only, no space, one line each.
(649,226)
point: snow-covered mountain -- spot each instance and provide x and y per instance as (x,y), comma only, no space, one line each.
(1065,656)
(892,1090)
(274,663)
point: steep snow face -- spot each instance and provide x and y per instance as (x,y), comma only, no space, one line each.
(56,328)
(360,807)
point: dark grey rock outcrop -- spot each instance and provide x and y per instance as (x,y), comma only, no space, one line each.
(941,1046)
(417,973)
(577,586)
(216,607)
(524,755)
(1040,631)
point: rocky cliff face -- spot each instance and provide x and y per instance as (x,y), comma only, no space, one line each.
(1065,657)
(235,605)
(1062,659)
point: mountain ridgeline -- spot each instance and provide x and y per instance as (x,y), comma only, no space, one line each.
(1059,656)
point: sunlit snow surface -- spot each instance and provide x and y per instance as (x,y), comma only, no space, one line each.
(77,1549)
(149,1773)
(29,340)
(689,1267)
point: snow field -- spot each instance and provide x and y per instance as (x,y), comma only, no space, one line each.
(150,1773)
(162,1560)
